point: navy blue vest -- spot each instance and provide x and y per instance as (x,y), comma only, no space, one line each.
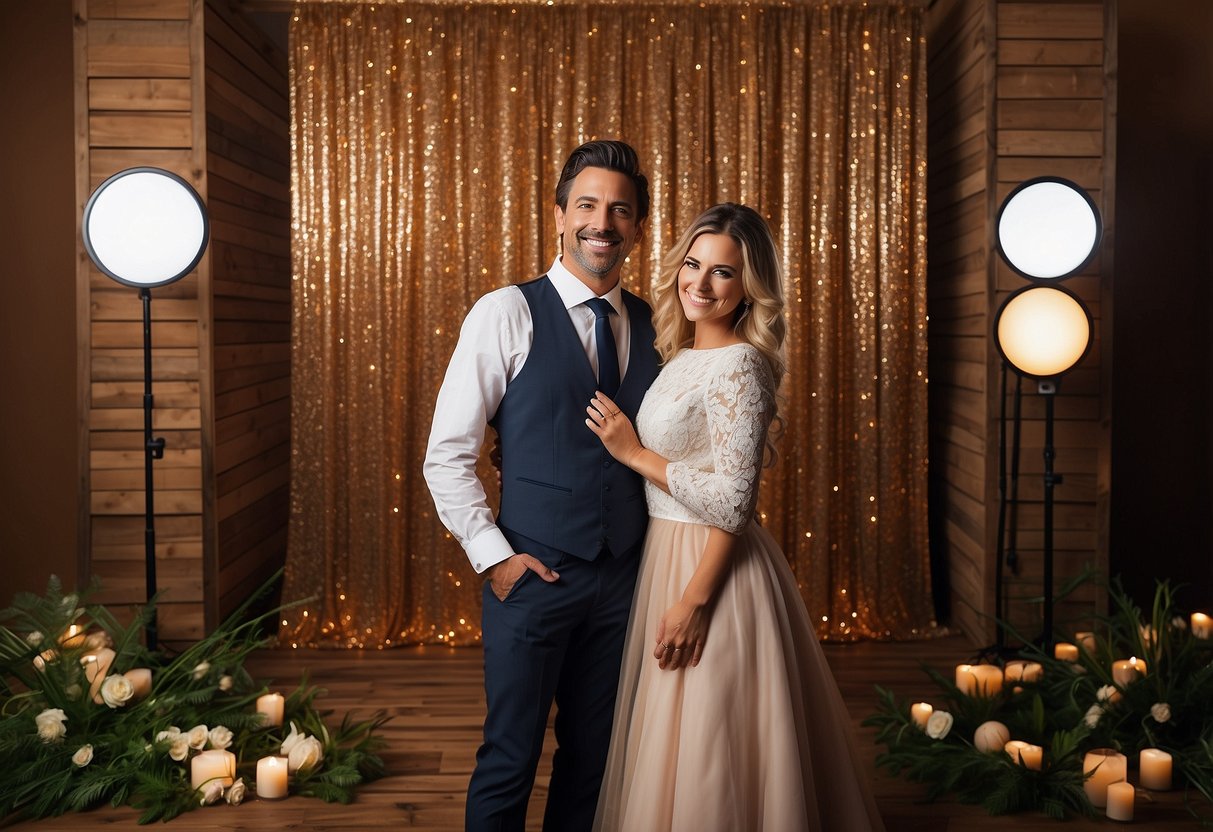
(559,486)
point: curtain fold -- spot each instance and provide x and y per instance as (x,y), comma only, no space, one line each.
(426,143)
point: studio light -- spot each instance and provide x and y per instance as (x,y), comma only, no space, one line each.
(1048,229)
(146,227)
(1043,331)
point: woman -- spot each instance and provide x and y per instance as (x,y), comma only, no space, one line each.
(728,717)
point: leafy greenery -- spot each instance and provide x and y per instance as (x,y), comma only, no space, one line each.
(1073,708)
(53,713)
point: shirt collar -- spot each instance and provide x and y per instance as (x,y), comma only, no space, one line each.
(574,293)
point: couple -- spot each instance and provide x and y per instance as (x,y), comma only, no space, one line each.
(727,715)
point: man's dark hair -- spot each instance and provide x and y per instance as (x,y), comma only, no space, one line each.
(612,155)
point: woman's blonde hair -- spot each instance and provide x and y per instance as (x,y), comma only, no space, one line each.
(759,319)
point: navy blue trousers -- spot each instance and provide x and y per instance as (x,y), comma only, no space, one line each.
(559,641)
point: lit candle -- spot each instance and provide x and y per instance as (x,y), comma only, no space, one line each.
(141,681)
(96,666)
(1031,756)
(1022,671)
(965,680)
(1202,625)
(1014,749)
(987,679)
(1155,769)
(1120,801)
(271,778)
(73,636)
(215,764)
(1105,767)
(920,712)
(1086,641)
(1127,671)
(1065,652)
(271,704)
(43,658)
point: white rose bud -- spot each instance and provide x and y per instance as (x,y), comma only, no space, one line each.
(306,754)
(69,601)
(50,725)
(1107,693)
(292,739)
(1092,716)
(211,792)
(235,792)
(1161,712)
(197,737)
(225,683)
(83,756)
(939,724)
(97,640)
(73,692)
(116,690)
(220,737)
(170,733)
(180,748)
(201,670)
(1179,623)
(34,638)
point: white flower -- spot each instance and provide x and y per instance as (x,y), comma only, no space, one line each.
(116,690)
(180,748)
(50,724)
(1107,693)
(83,755)
(69,601)
(292,739)
(211,792)
(220,737)
(73,692)
(939,724)
(1092,716)
(235,792)
(170,733)
(34,638)
(225,683)
(197,737)
(1179,623)
(201,670)
(1161,712)
(307,753)
(97,640)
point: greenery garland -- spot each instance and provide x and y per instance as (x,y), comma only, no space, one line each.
(72,738)
(1073,708)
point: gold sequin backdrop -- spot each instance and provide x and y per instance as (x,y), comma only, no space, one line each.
(426,143)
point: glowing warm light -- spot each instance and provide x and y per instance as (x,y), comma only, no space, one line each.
(1043,331)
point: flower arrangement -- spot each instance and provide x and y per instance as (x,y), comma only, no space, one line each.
(1019,741)
(88,715)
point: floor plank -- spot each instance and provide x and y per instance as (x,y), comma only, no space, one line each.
(435,697)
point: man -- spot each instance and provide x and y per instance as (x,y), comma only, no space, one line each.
(561,557)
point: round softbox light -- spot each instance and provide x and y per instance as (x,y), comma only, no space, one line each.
(1048,229)
(1043,331)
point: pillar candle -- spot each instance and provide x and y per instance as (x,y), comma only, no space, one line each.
(96,667)
(271,778)
(1155,769)
(271,705)
(141,680)
(215,764)
(1066,652)
(1120,801)
(920,712)
(1086,641)
(1202,625)
(1105,767)
(73,636)
(1014,748)
(1031,756)
(1127,671)
(965,680)
(987,679)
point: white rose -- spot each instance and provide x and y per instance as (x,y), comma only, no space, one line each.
(292,739)
(83,755)
(116,690)
(50,724)
(225,683)
(1161,712)
(220,737)
(235,792)
(197,737)
(211,792)
(939,724)
(170,733)
(69,601)
(1092,716)
(97,640)
(1179,623)
(34,638)
(179,749)
(201,670)
(1107,693)
(307,753)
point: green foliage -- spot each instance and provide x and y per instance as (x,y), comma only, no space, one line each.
(1074,708)
(205,684)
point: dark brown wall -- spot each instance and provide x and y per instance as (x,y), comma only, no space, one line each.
(38,423)
(1162,415)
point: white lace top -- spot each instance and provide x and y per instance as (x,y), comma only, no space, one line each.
(708,413)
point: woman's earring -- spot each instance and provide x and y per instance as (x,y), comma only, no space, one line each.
(746,305)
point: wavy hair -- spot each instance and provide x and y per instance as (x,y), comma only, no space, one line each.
(761,323)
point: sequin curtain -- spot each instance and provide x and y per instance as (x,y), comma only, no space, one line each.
(426,142)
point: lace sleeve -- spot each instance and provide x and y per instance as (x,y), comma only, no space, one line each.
(740,406)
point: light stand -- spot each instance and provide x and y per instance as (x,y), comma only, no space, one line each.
(146,227)
(1048,229)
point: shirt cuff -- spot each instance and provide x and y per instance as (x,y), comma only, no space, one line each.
(487,549)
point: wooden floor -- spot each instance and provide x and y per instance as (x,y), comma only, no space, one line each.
(437,702)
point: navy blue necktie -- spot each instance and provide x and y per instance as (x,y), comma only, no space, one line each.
(608,356)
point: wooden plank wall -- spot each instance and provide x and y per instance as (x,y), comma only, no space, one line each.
(138,98)
(248,173)
(1016,90)
(192,87)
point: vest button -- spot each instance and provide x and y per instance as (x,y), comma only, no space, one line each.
(606,488)
(607,464)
